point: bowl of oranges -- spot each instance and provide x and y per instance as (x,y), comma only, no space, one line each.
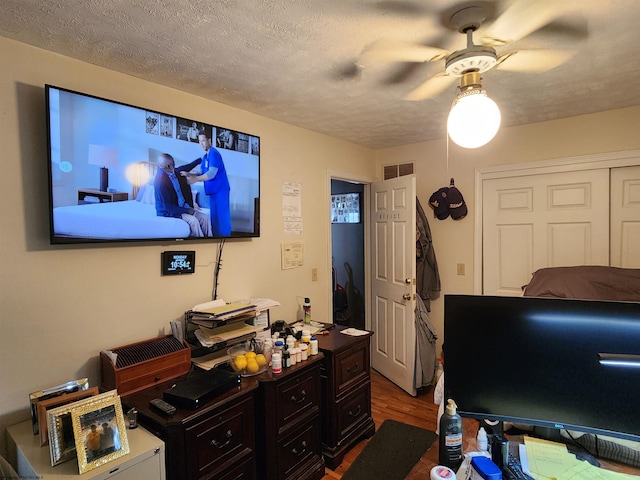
(245,361)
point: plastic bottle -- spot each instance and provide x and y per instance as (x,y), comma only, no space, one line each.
(313,344)
(306,340)
(286,357)
(298,349)
(276,363)
(482,442)
(450,442)
(306,306)
(278,347)
(293,359)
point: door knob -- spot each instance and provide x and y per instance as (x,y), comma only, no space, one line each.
(409,281)
(408,296)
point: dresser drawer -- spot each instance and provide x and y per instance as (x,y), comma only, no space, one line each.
(223,438)
(296,398)
(352,366)
(245,471)
(298,450)
(353,409)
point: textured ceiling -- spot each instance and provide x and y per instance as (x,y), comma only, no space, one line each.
(296,60)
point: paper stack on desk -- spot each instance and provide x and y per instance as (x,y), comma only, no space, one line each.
(210,337)
(550,460)
(219,310)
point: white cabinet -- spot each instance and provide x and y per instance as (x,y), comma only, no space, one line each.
(144,461)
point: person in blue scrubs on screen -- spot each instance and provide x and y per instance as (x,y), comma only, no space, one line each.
(216,186)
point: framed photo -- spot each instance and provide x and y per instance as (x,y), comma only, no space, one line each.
(63,399)
(62,444)
(35,397)
(100,432)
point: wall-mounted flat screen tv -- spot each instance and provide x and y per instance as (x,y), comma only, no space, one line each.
(345,208)
(110,177)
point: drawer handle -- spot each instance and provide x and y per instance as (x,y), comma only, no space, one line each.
(303,448)
(355,368)
(215,443)
(303,395)
(357,412)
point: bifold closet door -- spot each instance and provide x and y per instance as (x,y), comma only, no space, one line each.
(548,220)
(625,217)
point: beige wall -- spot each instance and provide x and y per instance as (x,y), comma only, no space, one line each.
(60,306)
(611,131)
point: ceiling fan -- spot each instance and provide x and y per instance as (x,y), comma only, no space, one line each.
(522,18)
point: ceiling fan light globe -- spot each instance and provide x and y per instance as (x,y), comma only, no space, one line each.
(473,120)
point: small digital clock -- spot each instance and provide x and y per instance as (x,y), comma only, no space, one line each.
(178,263)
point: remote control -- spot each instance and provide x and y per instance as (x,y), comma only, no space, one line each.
(163,406)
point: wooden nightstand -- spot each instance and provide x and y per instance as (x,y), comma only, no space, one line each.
(101,196)
(288,423)
(216,440)
(346,393)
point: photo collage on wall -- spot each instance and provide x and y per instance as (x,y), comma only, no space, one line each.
(345,208)
(188,130)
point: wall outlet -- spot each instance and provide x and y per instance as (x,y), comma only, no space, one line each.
(314,274)
(461,269)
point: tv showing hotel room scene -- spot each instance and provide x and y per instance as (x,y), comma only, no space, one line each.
(122,173)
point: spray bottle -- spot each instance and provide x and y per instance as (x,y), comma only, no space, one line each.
(450,442)
(306,306)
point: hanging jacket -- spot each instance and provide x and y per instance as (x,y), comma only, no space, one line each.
(425,346)
(427,276)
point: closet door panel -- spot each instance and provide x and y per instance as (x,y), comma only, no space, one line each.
(536,221)
(625,217)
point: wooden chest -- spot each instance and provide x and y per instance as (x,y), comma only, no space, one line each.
(132,367)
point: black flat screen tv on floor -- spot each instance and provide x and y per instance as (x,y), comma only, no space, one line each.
(556,363)
(103,160)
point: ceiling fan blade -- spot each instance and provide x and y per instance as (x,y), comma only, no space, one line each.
(521,19)
(533,60)
(431,87)
(396,51)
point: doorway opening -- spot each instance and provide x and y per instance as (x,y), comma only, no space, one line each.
(347,253)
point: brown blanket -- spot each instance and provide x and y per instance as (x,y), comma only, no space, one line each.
(588,282)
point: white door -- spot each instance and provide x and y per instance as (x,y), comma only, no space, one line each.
(625,217)
(393,238)
(535,221)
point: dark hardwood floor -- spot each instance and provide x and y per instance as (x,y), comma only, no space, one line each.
(389,401)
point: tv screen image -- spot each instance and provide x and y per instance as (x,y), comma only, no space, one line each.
(105,156)
(557,363)
(345,208)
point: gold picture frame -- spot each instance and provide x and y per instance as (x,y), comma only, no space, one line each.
(99,431)
(35,397)
(62,445)
(50,403)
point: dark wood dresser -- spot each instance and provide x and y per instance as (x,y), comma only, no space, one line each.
(346,393)
(288,422)
(216,440)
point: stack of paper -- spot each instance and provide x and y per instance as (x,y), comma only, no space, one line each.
(226,311)
(550,460)
(209,337)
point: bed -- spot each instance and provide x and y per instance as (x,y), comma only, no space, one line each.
(119,220)
(586,282)
(591,282)
(130,219)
